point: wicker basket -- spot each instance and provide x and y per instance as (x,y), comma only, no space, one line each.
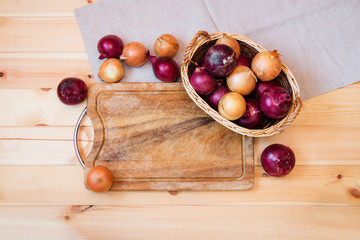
(198,47)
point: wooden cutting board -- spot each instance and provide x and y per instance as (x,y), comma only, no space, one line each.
(153,137)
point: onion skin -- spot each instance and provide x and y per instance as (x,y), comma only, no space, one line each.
(72,91)
(262,86)
(275,102)
(278,160)
(110,46)
(253,117)
(231,42)
(134,54)
(99,179)
(165,69)
(242,80)
(244,60)
(111,70)
(266,65)
(220,60)
(166,45)
(202,81)
(214,98)
(232,106)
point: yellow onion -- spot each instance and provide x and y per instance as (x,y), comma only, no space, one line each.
(231,42)
(166,46)
(134,54)
(242,80)
(232,106)
(266,65)
(111,70)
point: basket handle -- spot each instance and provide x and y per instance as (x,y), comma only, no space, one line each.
(197,36)
(192,44)
(76,131)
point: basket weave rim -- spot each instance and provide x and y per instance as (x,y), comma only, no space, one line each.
(202,37)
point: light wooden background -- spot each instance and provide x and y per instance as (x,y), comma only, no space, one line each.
(42,195)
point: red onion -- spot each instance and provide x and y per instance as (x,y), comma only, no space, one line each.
(202,81)
(244,60)
(262,86)
(220,60)
(277,160)
(275,102)
(253,117)
(165,69)
(72,91)
(214,98)
(110,46)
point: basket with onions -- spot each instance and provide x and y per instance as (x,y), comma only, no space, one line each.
(240,84)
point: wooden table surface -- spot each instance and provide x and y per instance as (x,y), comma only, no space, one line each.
(42,195)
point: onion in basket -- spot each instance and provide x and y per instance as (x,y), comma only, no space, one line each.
(232,106)
(253,117)
(231,42)
(242,80)
(266,65)
(275,102)
(202,81)
(220,60)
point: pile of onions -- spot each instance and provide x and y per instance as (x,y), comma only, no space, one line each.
(111,70)
(231,42)
(134,54)
(165,69)
(110,46)
(166,45)
(266,65)
(278,160)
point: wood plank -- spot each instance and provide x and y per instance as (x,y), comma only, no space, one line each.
(42,70)
(180,222)
(317,145)
(40,35)
(26,107)
(311,150)
(41,152)
(46,133)
(63,185)
(41,8)
(341,146)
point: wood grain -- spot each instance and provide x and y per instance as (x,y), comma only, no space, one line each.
(153,137)
(188,222)
(42,70)
(64,185)
(26,34)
